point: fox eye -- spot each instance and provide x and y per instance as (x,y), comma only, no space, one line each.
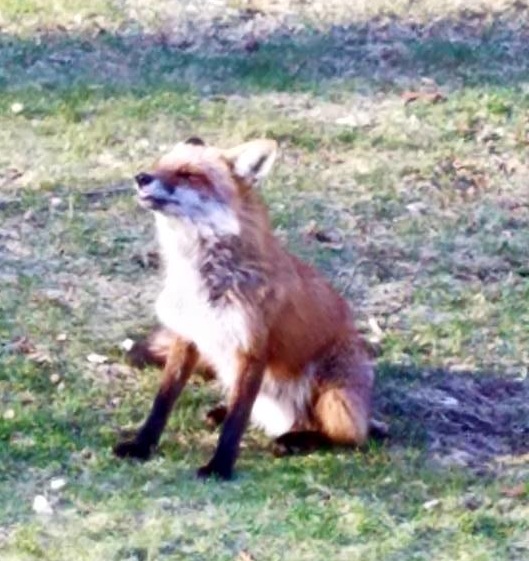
(189,179)
(192,177)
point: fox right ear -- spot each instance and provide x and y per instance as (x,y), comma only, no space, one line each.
(195,140)
(252,161)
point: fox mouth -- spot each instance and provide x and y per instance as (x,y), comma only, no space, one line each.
(149,201)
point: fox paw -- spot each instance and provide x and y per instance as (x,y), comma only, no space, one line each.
(212,469)
(132,449)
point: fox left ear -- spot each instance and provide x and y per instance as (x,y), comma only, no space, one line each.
(252,161)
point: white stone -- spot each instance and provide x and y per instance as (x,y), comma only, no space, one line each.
(429,505)
(17,108)
(96,358)
(41,505)
(127,345)
(57,483)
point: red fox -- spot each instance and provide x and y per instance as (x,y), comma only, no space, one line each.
(278,337)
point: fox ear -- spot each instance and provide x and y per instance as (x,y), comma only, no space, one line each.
(252,161)
(195,140)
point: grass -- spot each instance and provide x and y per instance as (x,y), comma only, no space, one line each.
(429,200)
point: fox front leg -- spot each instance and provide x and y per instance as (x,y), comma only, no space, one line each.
(181,360)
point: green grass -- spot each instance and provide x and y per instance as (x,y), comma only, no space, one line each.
(430,200)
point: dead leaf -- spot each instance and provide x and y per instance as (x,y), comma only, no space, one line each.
(327,236)
(40,357)
(472,502)
(516,492)
(21,345)
(21,440)
(245,556)
(26,398)
(54,296)
(330,238)
(428,97)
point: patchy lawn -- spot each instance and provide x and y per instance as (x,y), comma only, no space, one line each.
(404,130)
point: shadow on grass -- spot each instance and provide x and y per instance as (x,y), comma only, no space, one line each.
(477,424)
(465,419)
(471,49)
(474,421)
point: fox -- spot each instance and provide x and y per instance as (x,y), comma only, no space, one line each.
(280,340)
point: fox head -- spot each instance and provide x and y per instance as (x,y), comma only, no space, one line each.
(203,186)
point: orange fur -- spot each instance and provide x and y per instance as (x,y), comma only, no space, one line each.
(280,338)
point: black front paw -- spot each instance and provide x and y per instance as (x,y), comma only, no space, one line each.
(215,469)
(132,449)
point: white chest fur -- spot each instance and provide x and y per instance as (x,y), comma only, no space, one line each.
(184,306)
(219,332)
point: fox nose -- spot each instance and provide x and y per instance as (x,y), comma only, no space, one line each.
(143,179)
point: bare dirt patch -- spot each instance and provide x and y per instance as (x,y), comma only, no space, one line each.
(467,420)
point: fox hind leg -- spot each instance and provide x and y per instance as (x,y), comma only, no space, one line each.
(215,416)
(342,415)
(340,412)
(299,442)
(340,419)
(342,408)
(153,349)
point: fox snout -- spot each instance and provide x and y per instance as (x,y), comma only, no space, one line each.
(152,193)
